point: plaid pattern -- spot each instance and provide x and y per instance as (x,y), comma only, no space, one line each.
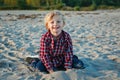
(55,53)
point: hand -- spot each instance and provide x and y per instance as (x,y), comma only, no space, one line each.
(51,71)
(69,69)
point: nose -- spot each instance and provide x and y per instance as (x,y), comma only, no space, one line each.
(55,23)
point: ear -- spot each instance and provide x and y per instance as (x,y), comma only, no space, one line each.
(63,23)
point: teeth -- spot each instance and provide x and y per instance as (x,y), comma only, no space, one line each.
(56,28)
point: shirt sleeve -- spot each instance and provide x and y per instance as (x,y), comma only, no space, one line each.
(68,53)
(44,53)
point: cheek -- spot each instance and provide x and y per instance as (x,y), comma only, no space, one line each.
(49,26)
(62,25)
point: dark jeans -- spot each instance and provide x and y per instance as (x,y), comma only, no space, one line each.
(78,64)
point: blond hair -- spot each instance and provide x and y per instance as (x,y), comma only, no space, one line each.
(50,15)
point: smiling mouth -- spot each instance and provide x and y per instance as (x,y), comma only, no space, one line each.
(56,27)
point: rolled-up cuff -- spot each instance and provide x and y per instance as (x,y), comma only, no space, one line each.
(68,65)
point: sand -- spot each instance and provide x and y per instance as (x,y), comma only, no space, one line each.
(95,36)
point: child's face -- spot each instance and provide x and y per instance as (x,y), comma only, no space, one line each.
(55,25)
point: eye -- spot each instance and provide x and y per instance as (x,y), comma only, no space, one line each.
(58,21)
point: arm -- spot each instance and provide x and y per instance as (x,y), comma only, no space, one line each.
(44,54)
(68,53)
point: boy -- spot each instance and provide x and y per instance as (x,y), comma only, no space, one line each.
(56,50)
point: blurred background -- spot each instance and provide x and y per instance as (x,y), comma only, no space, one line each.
(58,4)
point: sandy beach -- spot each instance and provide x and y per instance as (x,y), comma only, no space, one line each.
(95,36)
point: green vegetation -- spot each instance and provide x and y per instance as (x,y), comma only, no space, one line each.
(59,4)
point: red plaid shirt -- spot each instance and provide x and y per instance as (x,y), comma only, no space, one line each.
(54,53)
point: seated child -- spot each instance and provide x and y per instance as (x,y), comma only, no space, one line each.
(56,49)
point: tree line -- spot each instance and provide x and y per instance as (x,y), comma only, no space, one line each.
(58,4)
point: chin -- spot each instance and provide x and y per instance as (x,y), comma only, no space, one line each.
(56,34)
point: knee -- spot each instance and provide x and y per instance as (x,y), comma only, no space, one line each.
(40,66)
